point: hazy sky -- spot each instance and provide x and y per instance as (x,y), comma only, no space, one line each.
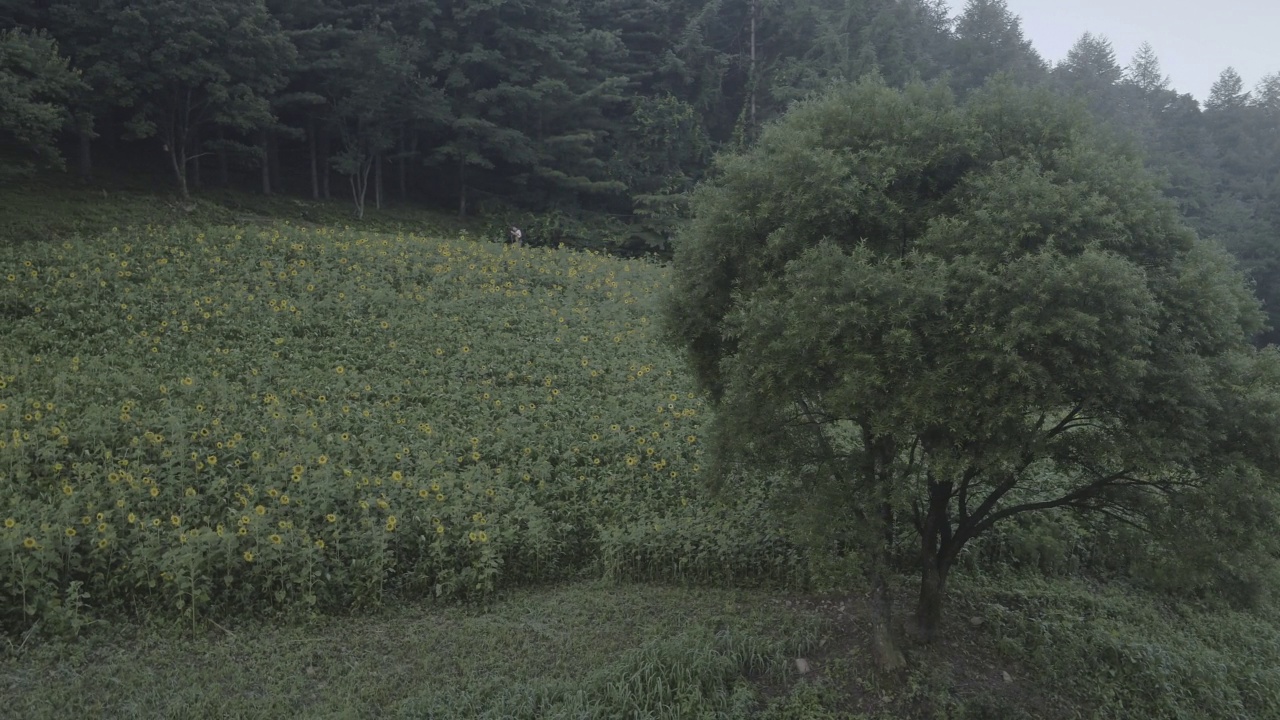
(1195,40)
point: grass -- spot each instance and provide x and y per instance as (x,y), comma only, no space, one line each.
(53,206)
(582,650)
(399,619)
(1045,649)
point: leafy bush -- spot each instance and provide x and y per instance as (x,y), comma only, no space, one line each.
(1129,657)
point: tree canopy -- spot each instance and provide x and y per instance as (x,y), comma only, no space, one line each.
(942,315)
(35,82)
(607,109)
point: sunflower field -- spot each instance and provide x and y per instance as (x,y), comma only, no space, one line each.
(202,422)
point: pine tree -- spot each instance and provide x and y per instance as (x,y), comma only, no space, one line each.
(1144,72)
(1227,92)
(526,106)
(1170,128)
(1090,71)
(989,40)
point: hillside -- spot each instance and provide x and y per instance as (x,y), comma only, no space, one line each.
(268,469)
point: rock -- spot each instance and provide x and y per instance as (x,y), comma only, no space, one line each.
(802,665)
(1007,677)
(976,621)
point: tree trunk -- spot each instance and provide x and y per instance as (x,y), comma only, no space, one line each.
(196,180)
(311,147)
(933,588)
(84,130)
(273,159)
(885,652)
(754,10)
(401,162)
(377,181)
(936,555)
(178,161)
(360,186)
(326,171)
(413,149)
(265,141)
(462,188)
(224,167)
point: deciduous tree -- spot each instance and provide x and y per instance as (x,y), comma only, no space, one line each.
(213,63)
(35,84)
(373,92)
(946,316)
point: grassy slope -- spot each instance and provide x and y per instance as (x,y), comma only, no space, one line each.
(1017,645)
(589,648)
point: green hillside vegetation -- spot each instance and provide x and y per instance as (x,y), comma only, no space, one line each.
(1084,622)
(603,108)
(858,363)
(933,318)
(45,207)
(288,415)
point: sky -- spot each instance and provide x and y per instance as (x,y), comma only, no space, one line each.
(1195,40)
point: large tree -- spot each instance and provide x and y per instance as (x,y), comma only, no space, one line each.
(1090,72)
(527,88)
(35,82)
(989,40)
(946,316)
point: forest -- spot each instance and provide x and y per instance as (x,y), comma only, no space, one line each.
(612,107)
(860,363)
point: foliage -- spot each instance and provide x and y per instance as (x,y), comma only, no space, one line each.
(586,649)
(35,82)
(286,417)
(953,315)
(1090,72)
(372,92)
(189,68)
(530,107)
(1125,655)
(989,42)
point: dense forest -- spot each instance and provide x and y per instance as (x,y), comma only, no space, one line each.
(609,107)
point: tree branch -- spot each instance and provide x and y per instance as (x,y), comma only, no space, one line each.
(1065,423)
(1101,510)
(1071,498)
(817,428)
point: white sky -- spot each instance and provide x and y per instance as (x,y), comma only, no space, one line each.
(1195,40)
